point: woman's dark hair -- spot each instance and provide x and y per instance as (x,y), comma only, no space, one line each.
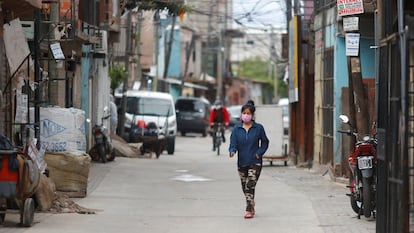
(249,105)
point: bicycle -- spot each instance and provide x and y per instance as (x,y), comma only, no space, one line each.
(217,136)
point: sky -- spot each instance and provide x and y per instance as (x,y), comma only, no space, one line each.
(260,12)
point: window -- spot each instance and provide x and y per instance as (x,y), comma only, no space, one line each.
(149,106)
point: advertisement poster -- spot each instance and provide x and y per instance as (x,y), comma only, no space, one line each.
(352,44)
(350,7)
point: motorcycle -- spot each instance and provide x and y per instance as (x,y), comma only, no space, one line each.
(103,146)
(363,164)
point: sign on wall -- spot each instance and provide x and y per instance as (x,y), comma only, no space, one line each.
(350,24)
(352,44)
(350,7)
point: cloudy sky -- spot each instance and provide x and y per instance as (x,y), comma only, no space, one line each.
(259,12)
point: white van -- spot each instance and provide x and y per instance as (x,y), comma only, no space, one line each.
(149,106)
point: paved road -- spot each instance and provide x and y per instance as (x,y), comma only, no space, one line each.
(196,191)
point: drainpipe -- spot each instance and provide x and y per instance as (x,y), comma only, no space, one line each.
(53,84)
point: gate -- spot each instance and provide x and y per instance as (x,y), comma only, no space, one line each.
(395,188)
(327,107)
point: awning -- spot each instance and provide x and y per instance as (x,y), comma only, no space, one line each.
(207,78)
(186,84)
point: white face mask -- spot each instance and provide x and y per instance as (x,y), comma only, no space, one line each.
(246,118)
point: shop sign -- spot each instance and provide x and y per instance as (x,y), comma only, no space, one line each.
(350,7)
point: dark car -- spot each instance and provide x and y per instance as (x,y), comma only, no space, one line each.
(235,112)
(193,115)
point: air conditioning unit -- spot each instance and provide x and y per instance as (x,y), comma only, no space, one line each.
(102,45)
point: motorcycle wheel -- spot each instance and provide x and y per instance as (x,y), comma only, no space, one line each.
(101,151)
(356,204)
(366,190)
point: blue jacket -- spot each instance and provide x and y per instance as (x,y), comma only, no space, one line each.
(248,144)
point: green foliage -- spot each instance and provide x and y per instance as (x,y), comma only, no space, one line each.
(257,68)
(118,75)
(173,8)
(282,88)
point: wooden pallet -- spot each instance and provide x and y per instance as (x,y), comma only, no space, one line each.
(271,159)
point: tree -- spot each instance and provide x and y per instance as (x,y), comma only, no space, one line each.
(118,75)
(257,68)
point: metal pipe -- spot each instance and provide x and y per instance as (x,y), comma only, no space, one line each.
(37,75)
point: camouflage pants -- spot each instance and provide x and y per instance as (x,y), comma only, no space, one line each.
(249,177)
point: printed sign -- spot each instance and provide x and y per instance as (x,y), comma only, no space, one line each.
(352,44)
(57,51)
(351,24)
(350,7)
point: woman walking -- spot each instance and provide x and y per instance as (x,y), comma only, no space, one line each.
(250,142)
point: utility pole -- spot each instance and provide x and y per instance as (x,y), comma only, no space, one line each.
(225,49)
(156,41)
(207,49)
(288,13)
(273,64)
(188,50)
(125,86)
(138,76)
(219,79)
(220,66)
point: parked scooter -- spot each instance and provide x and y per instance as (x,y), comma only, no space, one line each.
(103,145)
(363,164)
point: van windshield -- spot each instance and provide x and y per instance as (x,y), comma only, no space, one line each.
(149,106)
(189,106)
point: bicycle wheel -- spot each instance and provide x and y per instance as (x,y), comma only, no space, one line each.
(218,143)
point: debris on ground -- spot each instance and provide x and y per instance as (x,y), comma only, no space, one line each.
(64,204)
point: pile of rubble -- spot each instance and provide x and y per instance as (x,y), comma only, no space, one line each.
(63,204)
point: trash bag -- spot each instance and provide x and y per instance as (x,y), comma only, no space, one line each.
(5,143)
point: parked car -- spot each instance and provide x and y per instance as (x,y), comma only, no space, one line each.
(192,115)
(148,107)
(235,112)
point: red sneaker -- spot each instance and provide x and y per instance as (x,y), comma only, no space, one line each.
(248,215)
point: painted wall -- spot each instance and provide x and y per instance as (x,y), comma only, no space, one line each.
(85,88)
(174,68)
(367,56)
(147,40)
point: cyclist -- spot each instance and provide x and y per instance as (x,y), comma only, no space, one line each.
(219,114)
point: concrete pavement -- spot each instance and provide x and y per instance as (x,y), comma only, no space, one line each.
(196,191)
